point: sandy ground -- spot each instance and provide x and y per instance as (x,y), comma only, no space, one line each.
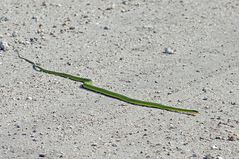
(119,45)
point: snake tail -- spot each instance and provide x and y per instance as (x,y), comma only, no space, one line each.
(137,102)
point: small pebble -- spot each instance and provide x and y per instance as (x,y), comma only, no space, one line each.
(208,157)
(219,157)
(206,107)
(14,34)
(218,137)
(232,137)
(71,28)
(106,28)
(58,5)
(4,46)
(17,126)
(27,43)
(42,155)
(194,155)
(44,4)
(109,8)
(214,147)
(4,19)
(34,17)
(114,145)
(125,2)
(29,98)
(171,126)
(94,144)
(168,50)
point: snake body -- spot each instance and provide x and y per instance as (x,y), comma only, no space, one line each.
(88,84)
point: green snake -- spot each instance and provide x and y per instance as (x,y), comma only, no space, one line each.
(88,84)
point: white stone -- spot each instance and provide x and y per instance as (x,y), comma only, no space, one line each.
(29,98)
(168,50)
(4,45)
(58,5)
(214,147)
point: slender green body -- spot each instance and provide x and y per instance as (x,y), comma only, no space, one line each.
(135,101)
(87,84)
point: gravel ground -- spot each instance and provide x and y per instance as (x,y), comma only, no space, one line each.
(119,45)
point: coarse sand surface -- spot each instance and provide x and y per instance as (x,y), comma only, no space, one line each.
(119,44)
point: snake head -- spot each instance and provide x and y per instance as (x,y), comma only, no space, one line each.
(36,67)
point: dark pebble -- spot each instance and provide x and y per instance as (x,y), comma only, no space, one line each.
(106,28)
(42,155)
